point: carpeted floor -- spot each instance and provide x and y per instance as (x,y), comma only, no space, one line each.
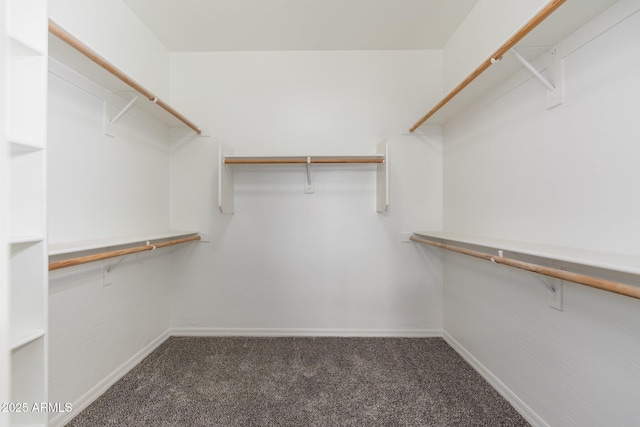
(193,381)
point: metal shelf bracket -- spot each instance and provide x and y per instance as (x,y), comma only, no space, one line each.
(108,106)
(555,90)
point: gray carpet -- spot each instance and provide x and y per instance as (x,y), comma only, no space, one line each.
(237,381)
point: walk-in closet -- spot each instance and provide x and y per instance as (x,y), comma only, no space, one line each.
(320,212)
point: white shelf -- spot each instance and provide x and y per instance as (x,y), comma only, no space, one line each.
(74,59)
(300,160)
(557,27)
(87,245)
(229,161)
(607,260)
(20,338)
(19,47)
(20,147)
(24,239)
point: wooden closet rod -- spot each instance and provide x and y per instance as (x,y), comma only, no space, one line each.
(541,16)
(111,254)
(299,160)
(594,282)
(80,47)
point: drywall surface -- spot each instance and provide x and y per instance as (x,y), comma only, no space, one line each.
(489,24)
(289,262)
(112,30)
(566,176)
(101,186)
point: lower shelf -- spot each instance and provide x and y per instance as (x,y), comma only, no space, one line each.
(626,263)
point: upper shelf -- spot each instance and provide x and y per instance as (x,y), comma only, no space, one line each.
(68,50)
(624,263)
(552,25)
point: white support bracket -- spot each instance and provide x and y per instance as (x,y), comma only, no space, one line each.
(108,106)
(308,184)
(553,285)
(555,295)
(555,91)
(535,72)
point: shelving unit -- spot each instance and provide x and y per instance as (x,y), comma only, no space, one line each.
(624,263)
(71,52)
(5,333)
(88,245)
(534,42)
(26,120)
(228,161)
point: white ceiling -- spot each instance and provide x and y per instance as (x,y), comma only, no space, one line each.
(250,25)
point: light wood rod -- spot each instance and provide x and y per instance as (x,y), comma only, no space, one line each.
(541,16)
(93,56)
(371,159)
(594,282)
(120,252)
(299,160)
(264,160)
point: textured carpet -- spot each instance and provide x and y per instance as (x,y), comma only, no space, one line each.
(227,382)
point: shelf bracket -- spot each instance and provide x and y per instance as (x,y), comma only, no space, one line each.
(535,72)
(553,285)
(109,122)
(555,91)
(308,184)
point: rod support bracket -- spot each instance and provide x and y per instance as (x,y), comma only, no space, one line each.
(308,184)
(108,106)
(533,70)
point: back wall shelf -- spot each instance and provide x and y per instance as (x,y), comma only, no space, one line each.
(228,162)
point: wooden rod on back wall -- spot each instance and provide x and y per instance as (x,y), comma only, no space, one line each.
(93,56)
(541,16)
(112,254)
(299,160)
(594,282)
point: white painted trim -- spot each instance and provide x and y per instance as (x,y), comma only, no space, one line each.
(519,405)
(95,392)
(304,332)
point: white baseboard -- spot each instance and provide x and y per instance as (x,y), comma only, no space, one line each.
(304,332)
(88,398)
(527,413)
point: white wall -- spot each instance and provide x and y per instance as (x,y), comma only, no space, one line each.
(111,29)
(101,186)
(565,176)
(289,262)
